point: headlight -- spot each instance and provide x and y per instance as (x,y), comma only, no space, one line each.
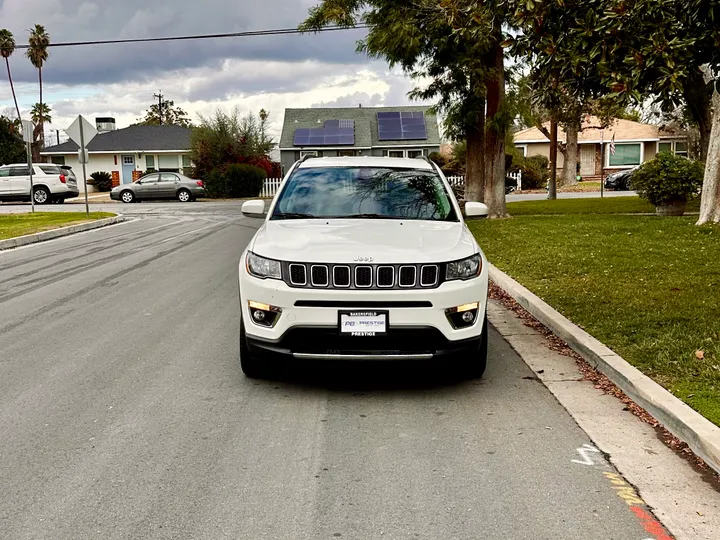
(261,267)
(465,269)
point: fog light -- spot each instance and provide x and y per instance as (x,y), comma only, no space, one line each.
(463,316)
(264,314)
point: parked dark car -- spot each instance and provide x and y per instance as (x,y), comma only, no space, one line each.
(162,185)
(620,181)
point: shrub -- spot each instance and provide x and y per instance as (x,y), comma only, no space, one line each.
(668,179)
(101,180)
(235,180)
(535,171)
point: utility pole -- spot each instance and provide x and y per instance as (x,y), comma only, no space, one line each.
(160,106)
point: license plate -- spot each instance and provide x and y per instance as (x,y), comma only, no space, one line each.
(363,323)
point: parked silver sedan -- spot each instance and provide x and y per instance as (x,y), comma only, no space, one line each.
(162,185)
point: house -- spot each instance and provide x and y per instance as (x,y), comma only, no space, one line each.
(128,153)
(635,143)
(362,131)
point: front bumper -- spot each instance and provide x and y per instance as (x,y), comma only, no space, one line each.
(310,329)
(115,195)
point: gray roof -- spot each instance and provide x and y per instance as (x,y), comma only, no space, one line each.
(366,127)
(132,139)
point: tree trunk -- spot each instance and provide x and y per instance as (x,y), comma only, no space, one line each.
(710,202)
(569,176)
(475,161)
(699,103)
(552,186)
(42,118)
(495,137)
(12,88)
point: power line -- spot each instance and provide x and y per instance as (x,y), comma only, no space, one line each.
(273,32)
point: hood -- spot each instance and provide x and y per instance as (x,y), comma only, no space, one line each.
(347,240)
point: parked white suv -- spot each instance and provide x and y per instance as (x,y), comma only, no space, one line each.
(363,258)
(51,183)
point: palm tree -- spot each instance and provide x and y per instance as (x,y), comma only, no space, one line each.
(40,114)
(7,47)
(38,55)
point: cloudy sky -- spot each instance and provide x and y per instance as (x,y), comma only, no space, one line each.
(271,72)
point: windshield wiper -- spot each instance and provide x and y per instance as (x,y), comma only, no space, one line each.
(292,215)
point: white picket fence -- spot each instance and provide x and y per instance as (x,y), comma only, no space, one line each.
(460,180)
(272,185)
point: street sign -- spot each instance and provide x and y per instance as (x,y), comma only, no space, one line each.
(88,131)
(81,132)
(28,129)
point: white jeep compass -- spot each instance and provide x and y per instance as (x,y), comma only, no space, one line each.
(363,258)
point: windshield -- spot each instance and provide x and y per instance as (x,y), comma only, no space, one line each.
(364,193)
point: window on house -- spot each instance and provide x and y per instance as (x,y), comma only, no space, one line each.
(312,153)
(625,155)
(58,160)
(150,163)
(414,153)
(168,163)
(128,160)
(186,166)
(522,149)
(681,149)
(346,153)
(395,153)
(664,147)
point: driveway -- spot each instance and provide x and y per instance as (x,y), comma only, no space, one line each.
(124,414)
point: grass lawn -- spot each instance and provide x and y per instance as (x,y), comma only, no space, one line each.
(646,286)
(12,225)
(607,205)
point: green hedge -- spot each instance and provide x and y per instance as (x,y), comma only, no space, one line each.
(235,181)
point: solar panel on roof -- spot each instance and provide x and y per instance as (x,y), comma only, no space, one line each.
(401,126)
(333,132)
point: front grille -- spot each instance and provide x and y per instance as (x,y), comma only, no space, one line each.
(298,274)
(363,276)
(319,276)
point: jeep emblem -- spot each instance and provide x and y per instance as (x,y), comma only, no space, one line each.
(363,259)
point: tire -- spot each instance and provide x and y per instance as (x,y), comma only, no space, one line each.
(184,195)
(252,366)
(127,196)
(41,195)
(473,363)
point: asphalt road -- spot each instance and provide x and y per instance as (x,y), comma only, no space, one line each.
(124,414)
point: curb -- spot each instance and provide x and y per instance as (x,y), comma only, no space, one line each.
(681,420)
(58,233)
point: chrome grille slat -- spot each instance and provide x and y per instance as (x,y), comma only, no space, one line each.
(298,275)
(429,275)
(405,273)
(319,276)
(385,276)
(363,277)
(341,277)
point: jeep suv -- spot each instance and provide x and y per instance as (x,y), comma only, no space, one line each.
(51,183)
(363,258)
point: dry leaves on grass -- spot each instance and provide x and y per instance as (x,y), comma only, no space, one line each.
(601,382)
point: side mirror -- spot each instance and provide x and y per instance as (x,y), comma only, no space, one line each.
(253,208)
(475,209)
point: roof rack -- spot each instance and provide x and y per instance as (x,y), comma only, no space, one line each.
(306,157)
